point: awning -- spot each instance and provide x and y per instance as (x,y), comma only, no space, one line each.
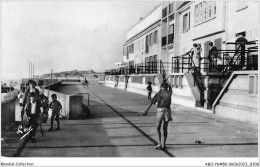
(241,40)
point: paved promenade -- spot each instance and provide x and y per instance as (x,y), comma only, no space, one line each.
(117,129)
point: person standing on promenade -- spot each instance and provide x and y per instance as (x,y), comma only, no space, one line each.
(55,105)
(213,52)
(32,88)
(150,90)
(85,82)
(21,96)
(33,110)
(40,87)
(163,100)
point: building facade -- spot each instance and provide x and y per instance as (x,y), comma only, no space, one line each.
(160,48)
(142,42)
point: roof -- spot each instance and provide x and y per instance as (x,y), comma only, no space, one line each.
(145,17)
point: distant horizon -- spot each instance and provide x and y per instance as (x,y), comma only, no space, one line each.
(65,36)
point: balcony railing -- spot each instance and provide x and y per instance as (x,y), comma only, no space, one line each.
(154,67)
(225,61)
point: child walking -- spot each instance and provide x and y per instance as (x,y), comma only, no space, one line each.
(150,90)
(55,105)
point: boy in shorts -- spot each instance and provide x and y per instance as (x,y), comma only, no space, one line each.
(163,100)
(56,107)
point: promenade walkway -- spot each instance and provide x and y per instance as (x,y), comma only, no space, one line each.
(117,129)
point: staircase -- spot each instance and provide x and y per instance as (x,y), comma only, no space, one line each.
(198,78)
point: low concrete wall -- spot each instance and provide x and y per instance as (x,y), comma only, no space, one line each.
(182,92)
(8,113)
(10,95)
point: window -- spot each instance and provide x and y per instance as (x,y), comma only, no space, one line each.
(143,43)
(130,48)
(205,11)
(241,5)
(171,29)
(196,14)
(164,12)
(127,52)
(175,83)
(201,12)
(253,85)
(180,81)
(152,38)
(214,8)
(156,36)
(171,8)
(186,22)
(148,40)
(124,51)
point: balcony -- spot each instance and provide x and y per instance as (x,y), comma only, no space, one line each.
(170,38)
(164,41)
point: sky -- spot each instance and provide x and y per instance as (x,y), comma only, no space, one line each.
(66,35)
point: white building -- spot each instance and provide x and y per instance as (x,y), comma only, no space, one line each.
(168,33)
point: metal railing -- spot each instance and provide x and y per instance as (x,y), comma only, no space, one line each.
(225,61)
(153,67)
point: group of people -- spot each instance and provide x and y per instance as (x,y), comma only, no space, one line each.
(196,55)
(5,88)
(35,104)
